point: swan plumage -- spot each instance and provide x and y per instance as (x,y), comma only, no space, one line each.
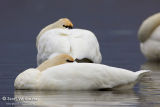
(149,36)
(78,43)
(76,76)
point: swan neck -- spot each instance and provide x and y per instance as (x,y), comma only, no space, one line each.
(49,27)
(148,26)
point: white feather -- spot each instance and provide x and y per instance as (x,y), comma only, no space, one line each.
(78,43)
(27,79)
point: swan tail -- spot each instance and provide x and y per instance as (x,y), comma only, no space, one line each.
(141,73)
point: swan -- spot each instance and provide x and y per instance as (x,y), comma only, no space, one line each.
(149,36)
(56,39)
(76,76)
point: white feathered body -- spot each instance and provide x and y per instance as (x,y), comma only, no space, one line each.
(78,43)
(151,47)
(73,76)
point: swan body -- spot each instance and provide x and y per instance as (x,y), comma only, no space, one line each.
(149,36)
(76,76)
(77,43)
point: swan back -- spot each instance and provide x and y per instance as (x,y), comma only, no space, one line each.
(78,43)
(86,76)
(148,26)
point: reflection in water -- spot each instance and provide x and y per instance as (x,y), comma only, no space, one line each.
(79,98)
(154,66)
(154,78)
(145,94)
(151,84)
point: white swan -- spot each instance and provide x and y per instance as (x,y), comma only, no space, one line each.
(149,36)
(55,39)
(76,76)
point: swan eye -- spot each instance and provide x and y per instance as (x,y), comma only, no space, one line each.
(69,27)
(69,60)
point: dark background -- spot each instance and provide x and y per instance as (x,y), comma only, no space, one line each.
(114,22)
(110,20)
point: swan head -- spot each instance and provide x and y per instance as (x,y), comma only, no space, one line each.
(64,23)
(63,58)
(57,60)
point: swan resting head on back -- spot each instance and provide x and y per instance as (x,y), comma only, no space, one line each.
(57,60)
(77,76)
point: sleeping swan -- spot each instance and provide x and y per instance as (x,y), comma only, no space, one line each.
(149,36)
(76,76)
(56,39)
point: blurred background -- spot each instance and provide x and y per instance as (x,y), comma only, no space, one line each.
(114,22)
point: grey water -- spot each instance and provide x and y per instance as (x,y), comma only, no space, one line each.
(114,22)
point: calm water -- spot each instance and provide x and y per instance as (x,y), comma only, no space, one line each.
(115,23)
